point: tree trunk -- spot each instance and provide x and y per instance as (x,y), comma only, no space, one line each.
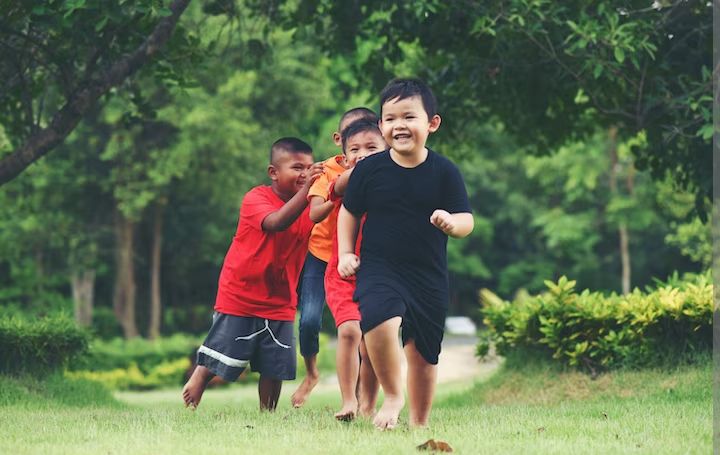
(155,267)
(625,257)
(124,295)
(622,228)
(83,292)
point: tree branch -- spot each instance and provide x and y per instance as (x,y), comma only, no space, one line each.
(66,119)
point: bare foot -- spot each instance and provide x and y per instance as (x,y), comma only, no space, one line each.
(366,412)
(195,387)
(303,391)
(348,412)
(387,417)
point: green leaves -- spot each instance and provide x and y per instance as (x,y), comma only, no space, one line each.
(39,346)
(619,55)
(594,331)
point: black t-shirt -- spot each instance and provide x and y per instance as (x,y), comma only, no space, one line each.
(400,247)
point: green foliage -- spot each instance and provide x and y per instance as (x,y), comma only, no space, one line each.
(166,374)
(594,331)
(52,49)
(39,346)
(143,355)
(121,364)
(551,71)
(694,240)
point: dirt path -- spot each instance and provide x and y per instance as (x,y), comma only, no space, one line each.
(457,363)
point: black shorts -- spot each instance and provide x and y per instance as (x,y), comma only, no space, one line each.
(234,342)
(423,323)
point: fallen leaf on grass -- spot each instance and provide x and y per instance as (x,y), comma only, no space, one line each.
(541,429)
(435,446)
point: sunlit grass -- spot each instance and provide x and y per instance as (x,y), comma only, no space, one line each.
(534,411)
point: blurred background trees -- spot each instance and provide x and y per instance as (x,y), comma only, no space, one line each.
(582,129)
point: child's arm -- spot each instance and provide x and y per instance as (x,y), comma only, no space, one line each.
(347,232)
(286,215)
(320,208)
(456,225)
(341,182)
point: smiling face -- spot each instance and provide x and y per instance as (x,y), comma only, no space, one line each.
(362,144)
(288,172)
(405,125)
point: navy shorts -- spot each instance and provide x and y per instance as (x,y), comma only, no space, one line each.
(234,342)
(424,324)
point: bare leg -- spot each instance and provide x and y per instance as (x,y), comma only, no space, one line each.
(368,385)
(195,386)
(269,392)
(382,346)
(421,379)
(347,365)
(312,376)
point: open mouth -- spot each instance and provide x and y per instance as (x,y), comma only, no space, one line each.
(401,137)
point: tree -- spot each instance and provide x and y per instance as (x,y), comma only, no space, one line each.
(551,71)
(62,57)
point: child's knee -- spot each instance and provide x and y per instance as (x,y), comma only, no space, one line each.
(349,332)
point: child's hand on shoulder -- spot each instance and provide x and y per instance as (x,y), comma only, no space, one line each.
(443,221)
(315,171)
(348,264)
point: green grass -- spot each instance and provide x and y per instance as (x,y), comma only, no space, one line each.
(537,410)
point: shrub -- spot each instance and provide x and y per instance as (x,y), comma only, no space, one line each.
(170,373)
(39,346)
(669,324)
(146,355)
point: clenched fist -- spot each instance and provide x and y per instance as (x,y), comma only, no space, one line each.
(348,264)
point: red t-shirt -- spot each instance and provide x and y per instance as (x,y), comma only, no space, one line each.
(260,274)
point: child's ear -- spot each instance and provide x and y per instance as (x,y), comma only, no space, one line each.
(337,139)
(272,172)
(435,123)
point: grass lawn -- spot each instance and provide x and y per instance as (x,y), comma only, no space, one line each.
(537,410)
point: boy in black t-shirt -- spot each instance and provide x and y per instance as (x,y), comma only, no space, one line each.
(414,199)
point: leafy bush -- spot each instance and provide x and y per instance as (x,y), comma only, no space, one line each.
(170,373)
(669,324)
(39,346)
(146,355)
(141,364)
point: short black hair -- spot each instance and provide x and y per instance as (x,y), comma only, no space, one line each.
(291,145)
(357,127)
(402,88)
(358,113)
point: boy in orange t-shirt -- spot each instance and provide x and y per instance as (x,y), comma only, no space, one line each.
(311,292)
(256,301)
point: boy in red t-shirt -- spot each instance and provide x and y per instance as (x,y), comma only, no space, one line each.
(256,300)
(360,139)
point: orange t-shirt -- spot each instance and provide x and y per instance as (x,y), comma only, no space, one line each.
(322,234)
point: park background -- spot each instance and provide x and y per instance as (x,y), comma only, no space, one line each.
(130,130)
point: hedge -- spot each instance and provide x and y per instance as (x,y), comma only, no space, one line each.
(669,324)
(40,346)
